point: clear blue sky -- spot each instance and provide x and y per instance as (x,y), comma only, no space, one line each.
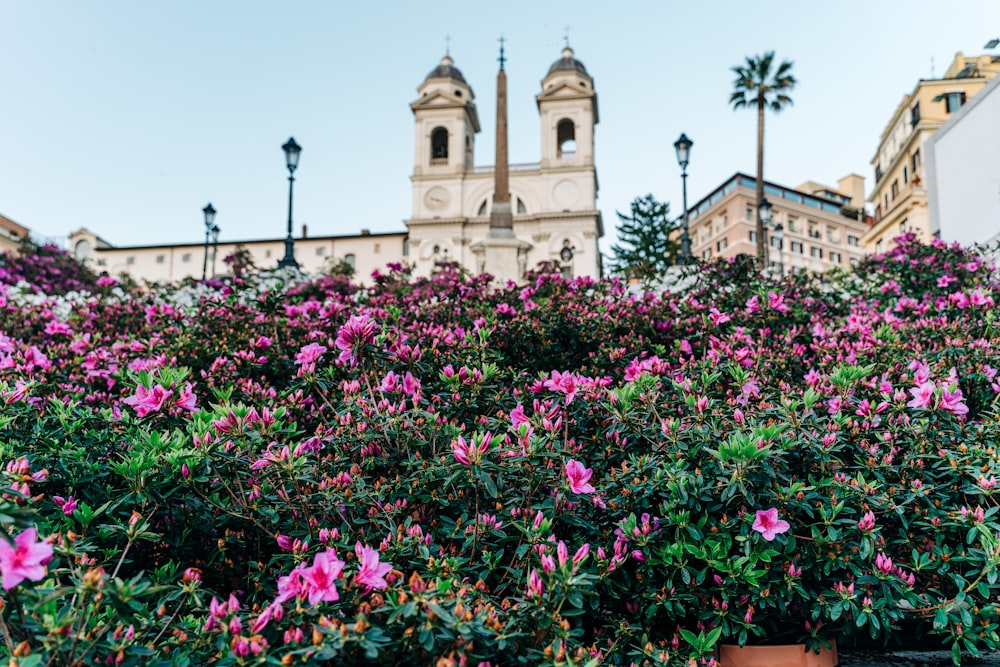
(127,117)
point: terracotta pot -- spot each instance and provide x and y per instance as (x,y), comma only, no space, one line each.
(785,655)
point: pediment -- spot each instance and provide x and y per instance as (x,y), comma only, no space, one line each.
(564,90)
(439,99)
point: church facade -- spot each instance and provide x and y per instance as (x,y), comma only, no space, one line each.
(503,219)
(553,202)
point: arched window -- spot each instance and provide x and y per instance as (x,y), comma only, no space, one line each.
(566,139)
(482,208)
(439,144)
(520,207)
(350,260)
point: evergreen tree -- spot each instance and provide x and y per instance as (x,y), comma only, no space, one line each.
(647,244)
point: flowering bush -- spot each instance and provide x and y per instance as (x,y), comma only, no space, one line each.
(265,471)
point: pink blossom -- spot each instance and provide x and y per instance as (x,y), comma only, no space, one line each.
(883,563)
(186,400)
(923,395)
(769,525)
(952,401)
(357,332)
(67,505)
(535,586)
(371,572)
(578,477)
(146,401)
(517,416)
(867,522)
(319,581)
(562,382)
(26,559)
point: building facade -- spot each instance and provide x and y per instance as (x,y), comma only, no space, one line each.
(821,227)
(900,193)
(553,201)
(176,261)
(11,234)
(963,172)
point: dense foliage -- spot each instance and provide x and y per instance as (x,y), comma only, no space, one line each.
(428,471)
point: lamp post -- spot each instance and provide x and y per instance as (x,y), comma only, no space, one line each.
(683,148)
(292,151)
(215,246)
(764,211)
(779,236)
(209,212)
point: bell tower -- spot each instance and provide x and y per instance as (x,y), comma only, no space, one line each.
(568,109)
(446,122)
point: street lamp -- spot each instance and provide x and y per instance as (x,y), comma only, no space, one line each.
(209,212)
(215,246)
(764,211)
(779,236)
(683,148)
(292,151)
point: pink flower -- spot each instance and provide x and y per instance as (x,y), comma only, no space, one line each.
(769,525)
(356,332)
(579,477)
(952,401)
(146,401)
(186,400)
(922,395)
(517,416)
(562,382)
(867,522)
(371,572)
(319,581)
(883,563)
(25,560)
(67,505)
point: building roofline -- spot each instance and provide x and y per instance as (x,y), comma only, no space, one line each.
(740,174)
(154,246)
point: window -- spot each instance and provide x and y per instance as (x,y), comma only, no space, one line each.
(831,237)
(721,244)
(707,254)
(565,139)
(775,242)
(439,145)
(378,248)
(349,259)
(817,252)
(835,258)
(895,188)
(813,230)
(406,247)
(886,198)
(320,251)
(878,212)
(906,174)
(750,215)
(852,240)
(952,101)
(130,260)
(915,114)
(753,236)
(186,257)
(160,259)
(878,246)
(793,224)
(797,247)
(267,254)
(916,161)
(520,207)
(878,173)
(482,208)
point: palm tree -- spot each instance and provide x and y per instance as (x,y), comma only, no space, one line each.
(758,85)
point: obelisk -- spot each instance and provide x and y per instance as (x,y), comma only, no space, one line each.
(501,218)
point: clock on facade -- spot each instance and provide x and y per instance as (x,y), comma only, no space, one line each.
(436,198)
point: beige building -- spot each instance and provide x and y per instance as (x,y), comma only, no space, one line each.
(11,234)
(821,227)
(553,201)
(366,252)
(900,194)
